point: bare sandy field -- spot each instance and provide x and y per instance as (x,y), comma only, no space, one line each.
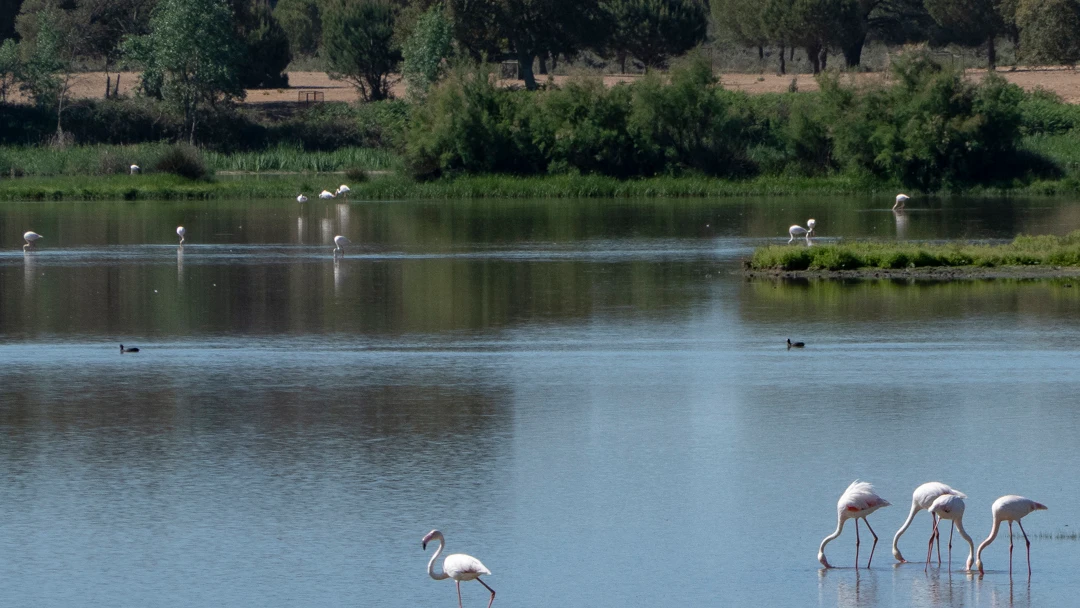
(1065,82)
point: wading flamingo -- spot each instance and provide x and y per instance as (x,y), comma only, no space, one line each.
(340,243)
(326,195)
(950,507)
(798,230)
(343,190)
(1009,508)
(301,198)
(457,566)
(31,239)
(180,232)
(858,501)
(922,498)
(900,200)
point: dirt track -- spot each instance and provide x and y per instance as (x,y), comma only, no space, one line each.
(1064,82)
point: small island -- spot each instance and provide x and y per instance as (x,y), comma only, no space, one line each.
(1025,257)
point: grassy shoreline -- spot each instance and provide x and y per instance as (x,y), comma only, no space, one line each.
(900,259)
(384,186)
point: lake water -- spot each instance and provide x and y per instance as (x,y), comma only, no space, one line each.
(587,396)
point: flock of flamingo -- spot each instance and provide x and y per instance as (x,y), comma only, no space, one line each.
(943,502)
(797,231)
(340,241)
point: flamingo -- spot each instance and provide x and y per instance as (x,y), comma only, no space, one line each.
(135,169)
(798,230)
(922,498)
(326,195)
(950,507)
(1009,508)
(301,199)
(180,232)
(340,243)
(900,200)
(31,238)
(343,190)
(457,566)
(857,501)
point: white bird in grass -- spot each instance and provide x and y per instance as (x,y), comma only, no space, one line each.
(798,230)
(900,200)
(1009,508)
(457,566)
(180,232)
(922,498)
(340,243)
(858,501)
(31,239)
(135,169)
(301,199)
(950,507)
(326,195)
(343,190)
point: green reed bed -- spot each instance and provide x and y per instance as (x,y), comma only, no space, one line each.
(156,186)
(1023,251)
(41,161)
(293,159)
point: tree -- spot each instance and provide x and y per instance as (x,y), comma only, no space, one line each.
(359,47)
(425,49)
(970,22)
(742,19)
(47,62)
(9,67)
(8,10)
(266,47)
(302,22)
(1049,30)
(190,56)
(655,30)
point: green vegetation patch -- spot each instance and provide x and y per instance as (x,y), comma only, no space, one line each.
(1023,251)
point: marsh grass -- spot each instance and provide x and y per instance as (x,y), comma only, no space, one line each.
(41,161)
(1043,250)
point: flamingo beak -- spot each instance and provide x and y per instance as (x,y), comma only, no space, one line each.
(423,545)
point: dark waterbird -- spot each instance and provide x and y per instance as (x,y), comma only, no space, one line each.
(791,344)
(123,350)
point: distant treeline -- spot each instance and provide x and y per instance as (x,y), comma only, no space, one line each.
(929,129)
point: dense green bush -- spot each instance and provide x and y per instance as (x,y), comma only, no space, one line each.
(183,160)
(1043,112)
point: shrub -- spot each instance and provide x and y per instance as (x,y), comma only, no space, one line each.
(183,160)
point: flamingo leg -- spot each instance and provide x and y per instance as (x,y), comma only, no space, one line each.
(930,546)
(1010,548)
(1028,545)
(856,544)
(489,589)
(874,546)
(937,534)
(458,594)
(951,530)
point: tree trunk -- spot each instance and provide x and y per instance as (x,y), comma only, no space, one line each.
(824,55)
(525,64)
(543,64)
(621,57)
(554,61)
(853,51)
(783,66)
(108,84)
(812,54)
(116,86)
(760,53)
(991,53)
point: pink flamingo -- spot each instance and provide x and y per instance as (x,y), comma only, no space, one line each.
(1009,508)
(950,507)
(457,566)
(858,501)
(922,498)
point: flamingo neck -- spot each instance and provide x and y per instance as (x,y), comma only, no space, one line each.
(915,508)
(963,534)
(431,564)
(821,550)
(993,534)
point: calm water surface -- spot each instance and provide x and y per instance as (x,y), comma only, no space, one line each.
(585,395)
